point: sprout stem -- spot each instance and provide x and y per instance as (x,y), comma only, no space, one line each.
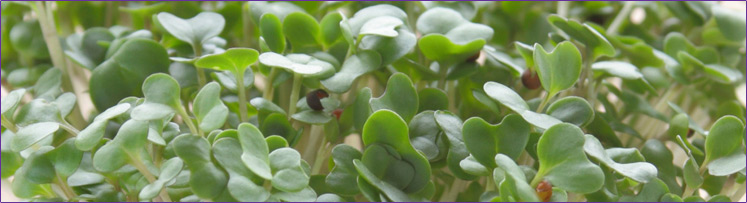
(442,71)
(69,193)
(544,103)
(149,176)
(269,87)
(69,128)
(242,97)
(8,124)
(188,120)
(297,80)
(619,19)
(201,80)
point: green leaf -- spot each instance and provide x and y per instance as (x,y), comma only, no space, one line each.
(266,105)
(303,64)
(390,48)
(506,60)
(169,170)
(651,192)
(240,186)
(66,158)
(209,110)
(400,96)
(305,195)
(32,134)
(385,127)
(639,171)
(271,30)
(85,48)
(471,166)
(122,75)
(256,153)
(730,23)
(440,48)
(426,137)
(312,117)
(330,28)
(342,177)
(515,177)
(484,141)
(151,111)
(289,176)
(38,168)
(390,191)
(206,180)
(27,38)
(563,162)
(48,85)
(356,65)
(559,69)
(302,31)
(382,26)
(594,41)
(163,89)
(235,60)
(10,102)
(723,144)
(228,80)
(513,101)
(572,109)
(196,30)
(451,125)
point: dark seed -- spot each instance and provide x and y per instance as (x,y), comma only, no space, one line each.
(690,133)
(544,190)
(337,113)
(473,58)
(530,79)
(314,99)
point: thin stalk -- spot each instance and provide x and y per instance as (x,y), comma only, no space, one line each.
(138,164)
(49,31)
(321,153)
(8,124)
(69,193)
(442,71)
(69,128)
(544,102)
(297,81)
(188,120)
(489,183)
(563,7)
(269,88)
(314,136)
(197,48)
(452,96)
(243,112)
(620,18)
(739,192)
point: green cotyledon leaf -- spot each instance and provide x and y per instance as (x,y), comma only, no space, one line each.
(559,69)
(563,162)
(385,127)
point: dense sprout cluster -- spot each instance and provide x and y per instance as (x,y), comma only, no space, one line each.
(373,101)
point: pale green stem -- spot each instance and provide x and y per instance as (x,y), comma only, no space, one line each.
(620,18)
(8,124)
(297,81)
(321,153)
(188,120)
(739,192)
(443,69)
(489,183)
(243,112)
(69,128)
(563,7)
(138,164)
(269,87)
(544,102)
(314,135)
(201,80)
(49,30)
(66,190)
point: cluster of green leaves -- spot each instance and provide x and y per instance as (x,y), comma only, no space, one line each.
(372,101)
